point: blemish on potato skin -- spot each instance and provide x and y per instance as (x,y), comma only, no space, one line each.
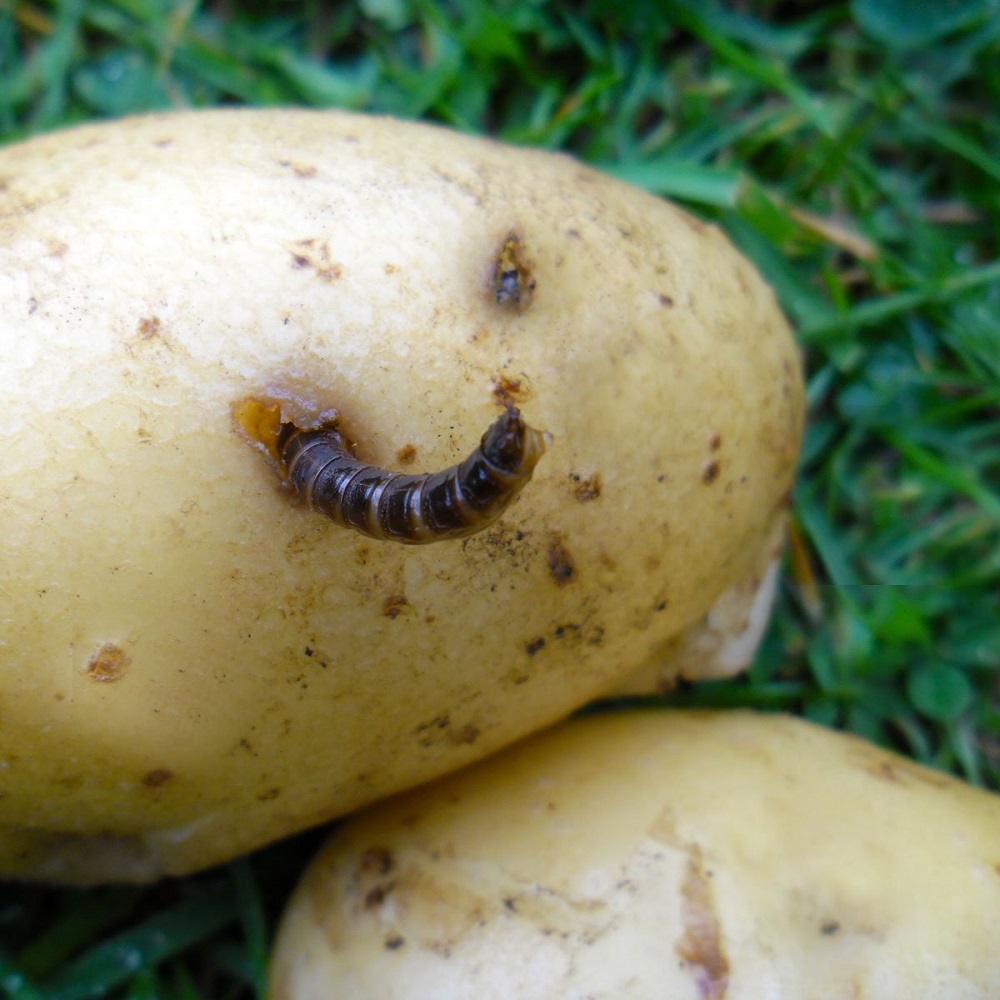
(305,171)
(586,488)
(377,896)
(310,253)
(534,646)
(562,567)
(439,730)
(394,943)
(710,472)
(701,945)
(394,605)
(902,772)
(465,736)
(148,327)
(376,861)
(583,633)
(268,795)
(509,390)
(158,777)
(406,455)
(108,664)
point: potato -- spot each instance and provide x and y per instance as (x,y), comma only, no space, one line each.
(193,661)
(659,855)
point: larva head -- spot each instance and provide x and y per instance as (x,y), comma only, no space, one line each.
(510,445)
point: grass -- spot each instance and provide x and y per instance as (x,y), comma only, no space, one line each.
(851,150)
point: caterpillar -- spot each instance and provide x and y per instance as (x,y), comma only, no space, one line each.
(412,509)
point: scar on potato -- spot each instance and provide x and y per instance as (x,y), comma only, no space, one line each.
(158,777)
(586,488)
(513,279)
(108,664)
(701,944)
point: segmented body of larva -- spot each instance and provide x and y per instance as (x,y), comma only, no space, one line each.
(413,509)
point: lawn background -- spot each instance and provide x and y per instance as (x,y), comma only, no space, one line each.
(852,150)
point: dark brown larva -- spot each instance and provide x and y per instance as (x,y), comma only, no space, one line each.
(412,509)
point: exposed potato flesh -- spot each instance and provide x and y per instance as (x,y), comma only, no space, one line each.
(194,663)
(659,856)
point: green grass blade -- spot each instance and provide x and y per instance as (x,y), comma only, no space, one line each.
(160,937)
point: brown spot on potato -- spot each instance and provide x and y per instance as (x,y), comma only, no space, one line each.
(579,633)
(376,861)
(311,253)
(562,567)
(406,455)
(715,441)
(108,664)
(303,170)
(434,731)
(394,605)
(829,927)
(586,488)
(665,301)
(268,795)
(148,327)
(710,472)
(465,736)
(902,772)
(377,896)
(534,646)
(508,390)
(158,777)
(394,942)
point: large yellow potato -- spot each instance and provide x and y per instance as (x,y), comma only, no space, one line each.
(192,662)
(659,856)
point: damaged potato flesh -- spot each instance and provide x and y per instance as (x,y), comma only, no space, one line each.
(659,855)
(194,662)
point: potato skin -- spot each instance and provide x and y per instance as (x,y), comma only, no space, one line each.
(194,664)
(656,855)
